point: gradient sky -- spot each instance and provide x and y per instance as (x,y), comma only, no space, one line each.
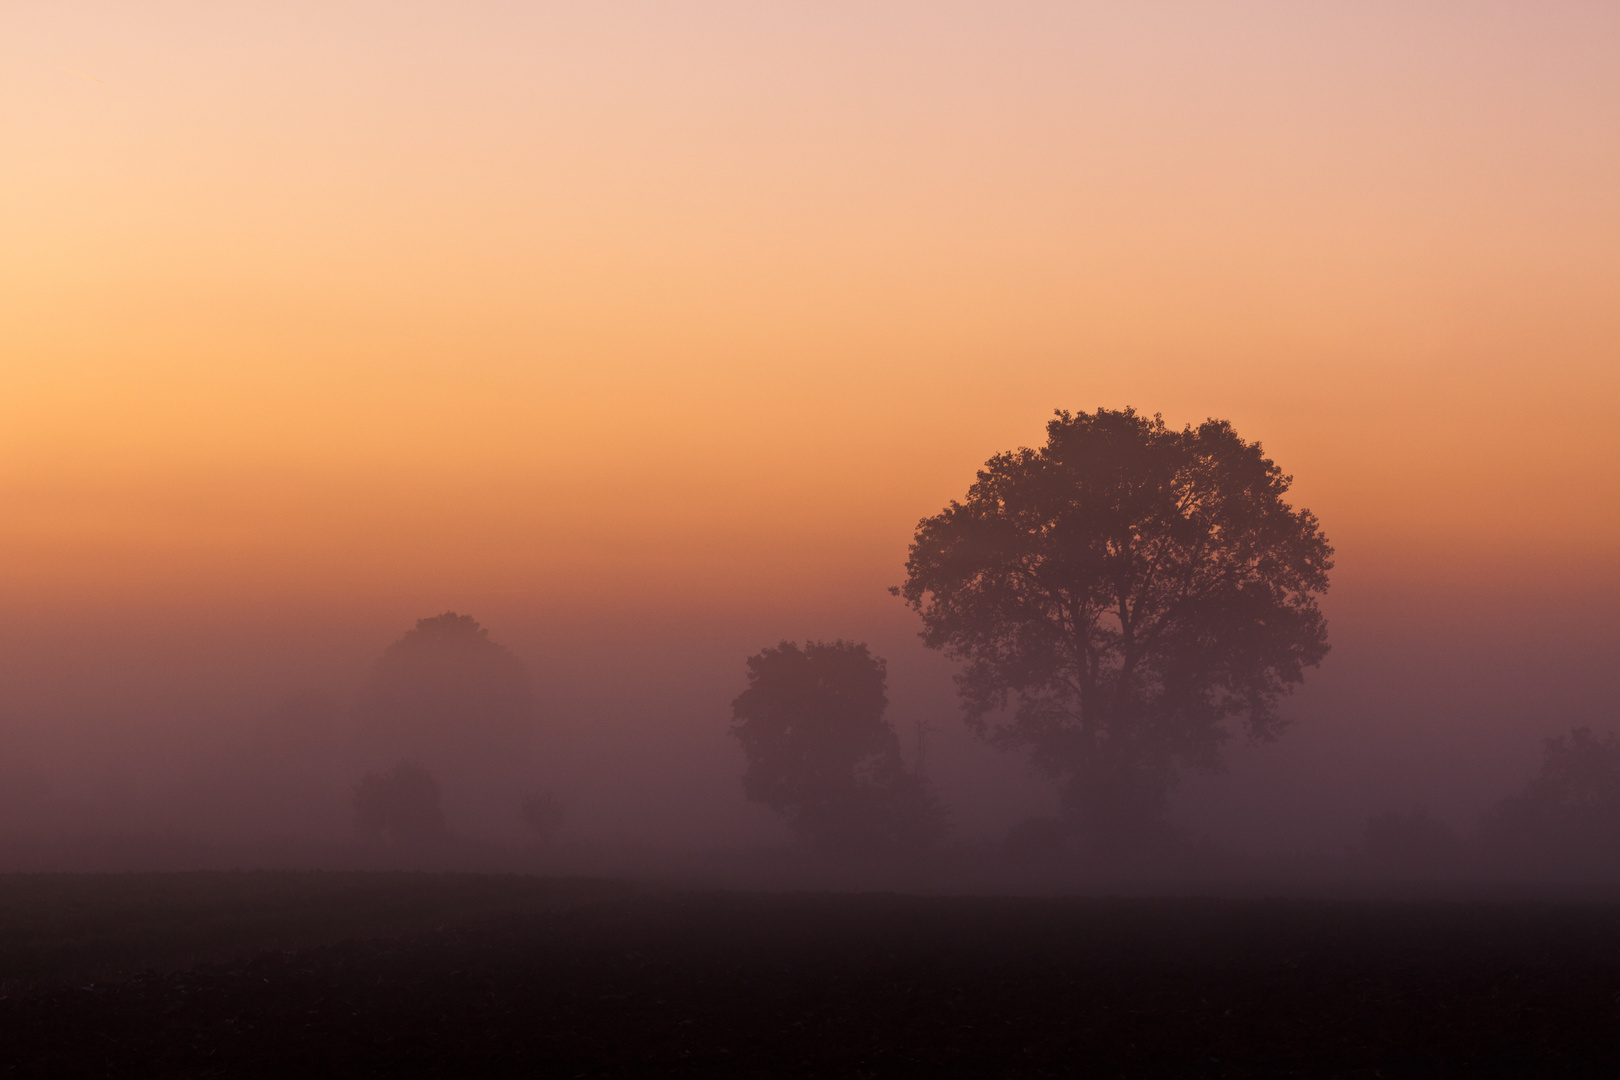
(676,300)
(646,333)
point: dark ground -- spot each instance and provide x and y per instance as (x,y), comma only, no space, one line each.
(465,975)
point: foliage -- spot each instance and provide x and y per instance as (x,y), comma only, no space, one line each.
(445,691)
(1117,596)
(1568,815)
(402,803)
(821,754)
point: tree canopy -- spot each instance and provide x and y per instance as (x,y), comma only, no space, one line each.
(1117,596)
(1568,815)
(445,692)
(821,753)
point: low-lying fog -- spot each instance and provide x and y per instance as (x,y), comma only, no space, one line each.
(157,739)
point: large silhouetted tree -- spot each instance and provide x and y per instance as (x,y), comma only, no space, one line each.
(821,754)
(1116,597)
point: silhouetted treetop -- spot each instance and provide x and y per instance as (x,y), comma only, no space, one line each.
(821,753)
(1122,592)
(445,685)
(1580,775)
(825,701)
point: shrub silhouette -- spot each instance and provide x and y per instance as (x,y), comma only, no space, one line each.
(401,804)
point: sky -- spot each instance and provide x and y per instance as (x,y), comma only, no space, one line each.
(623,324)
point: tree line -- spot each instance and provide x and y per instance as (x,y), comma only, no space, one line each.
(1120,603)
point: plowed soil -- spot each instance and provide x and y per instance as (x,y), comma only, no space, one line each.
(667,983)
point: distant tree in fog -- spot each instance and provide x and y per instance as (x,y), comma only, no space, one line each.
(821,754)
(544,814)
(1568,816)
(1116,597)
(446,692)
(402,803)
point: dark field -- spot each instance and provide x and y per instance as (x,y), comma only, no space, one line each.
(466,975)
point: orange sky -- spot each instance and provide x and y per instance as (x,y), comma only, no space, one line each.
(707,300)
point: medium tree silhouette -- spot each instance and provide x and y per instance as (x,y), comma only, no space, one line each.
(1116,597)
(402,803)
(446,693)
(821,754)
(1567,818)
